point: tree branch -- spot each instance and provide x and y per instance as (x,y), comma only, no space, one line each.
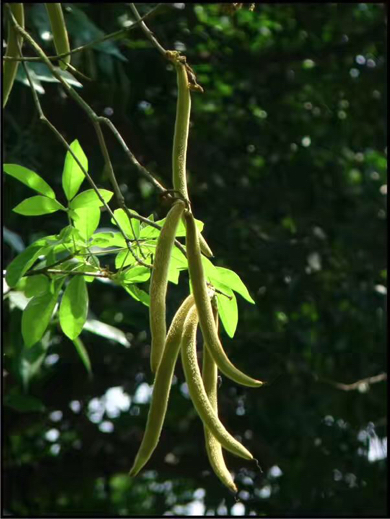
(114,35)
(96,120)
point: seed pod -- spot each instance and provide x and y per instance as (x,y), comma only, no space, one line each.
(197,391)
(204,247)
(159,283)
(182,124)
(161,388)
(60,34)
(203,305)
(10,68)
(180,140)
(213,447)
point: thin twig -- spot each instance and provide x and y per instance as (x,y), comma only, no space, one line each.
(55,264)
(76,273)
(147,31)
(118,194)
(114,35)
(130,155)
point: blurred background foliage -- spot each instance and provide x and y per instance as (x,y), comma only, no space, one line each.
(287,168)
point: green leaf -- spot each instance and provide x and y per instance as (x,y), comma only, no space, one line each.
(209,268)
(179,259)
(74,307)
(130,227)
(138,274)
(31,179)
(88,267)
(83,354)
(123,259)
(107,331)
(173,274)
(138,294)
(86,221)
(36,285)
(24,403)
(38,205)
(72,175)
(37,315)
(19,265)
(227,309)
(232,280)
(107,239)
(39,74)
(89,198)
(147,231)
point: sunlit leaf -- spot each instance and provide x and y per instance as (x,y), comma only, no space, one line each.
(89,198)
(19,265)
(130,227)
(36,285)
(138,294)
(72,175)
(137,274)
(31,179)
(38,205)
(232,280)
(107,239)
(147,231)
(74,307)
(228,310)
(86,220)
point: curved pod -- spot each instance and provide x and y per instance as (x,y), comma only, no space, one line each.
(213,447)
(161,388)
(14,41)
(60,34)
(159,283)
(197,391)
(205,312)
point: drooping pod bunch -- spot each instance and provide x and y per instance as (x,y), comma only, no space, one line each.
(195,310)
(14,41)
(60,34)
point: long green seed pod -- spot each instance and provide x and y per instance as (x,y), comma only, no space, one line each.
(159,283)
(10,68)
(213,447)
(205,312)
(182,124)
(60,34)
(180,140)
(197,391)
(161,388)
